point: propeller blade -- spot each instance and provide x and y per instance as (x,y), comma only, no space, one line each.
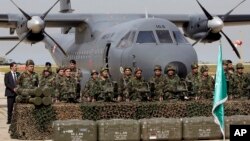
(56,43)
(24,13)
(45,14)
(205,11)
(202,37)
(229,12)
(232,45)
(18,43)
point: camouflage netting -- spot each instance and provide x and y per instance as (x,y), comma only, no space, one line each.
(26,126)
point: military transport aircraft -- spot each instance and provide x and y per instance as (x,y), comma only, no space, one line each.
(116,40)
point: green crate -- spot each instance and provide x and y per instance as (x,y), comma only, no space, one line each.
(77,130)
(161,129)
(118,129)
(200,128)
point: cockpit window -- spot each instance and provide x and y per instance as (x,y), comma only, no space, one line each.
(146,37)
(127,40)
(164,36)
(179,37)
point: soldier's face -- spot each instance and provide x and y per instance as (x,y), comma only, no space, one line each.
(195,70)
(61,72)
(225,67)
(67,73)
(170,72)
(230,65)
(240,71)
(30,68)
(205,73)
(95,76)
(157,73)
(72,65)
(127,72)
(105,74)
(138,74)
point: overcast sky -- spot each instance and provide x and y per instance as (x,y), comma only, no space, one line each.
(206,52)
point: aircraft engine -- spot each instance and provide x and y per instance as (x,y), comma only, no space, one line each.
(208,28)
(34,31)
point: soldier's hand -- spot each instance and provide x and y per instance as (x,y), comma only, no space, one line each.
(119,98)
(161,98)
(93,100)
(127,100)
(89,99)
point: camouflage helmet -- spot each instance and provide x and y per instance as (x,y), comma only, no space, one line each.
(94,72)
(157,67)
(194,66)
(138,69)
(103,69)
(239,66)
(30,62)
(59,68)
(204,68)
(126,68)
(170,67)
(225,62)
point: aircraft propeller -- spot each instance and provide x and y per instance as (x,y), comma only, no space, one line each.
(215,25)
(36,25)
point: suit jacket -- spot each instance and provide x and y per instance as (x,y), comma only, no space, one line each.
(10,84)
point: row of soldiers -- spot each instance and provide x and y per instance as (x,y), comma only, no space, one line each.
(197,85)
(238,82)
(66,83)
(100,87)
(136,88)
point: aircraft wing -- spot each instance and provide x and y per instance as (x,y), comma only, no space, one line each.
(53,20)
(179,20)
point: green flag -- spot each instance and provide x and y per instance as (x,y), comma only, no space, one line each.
(220,94)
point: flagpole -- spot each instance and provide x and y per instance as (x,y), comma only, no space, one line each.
(220,94)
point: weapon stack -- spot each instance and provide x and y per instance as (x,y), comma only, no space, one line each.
(36,96)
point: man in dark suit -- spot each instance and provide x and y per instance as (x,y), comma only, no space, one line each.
(10,81)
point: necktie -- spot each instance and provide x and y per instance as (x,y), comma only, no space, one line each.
(15,79)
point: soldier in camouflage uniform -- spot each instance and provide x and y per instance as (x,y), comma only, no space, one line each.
(59,80)
(230,67)
(47,79)
(68,88)
(206,84)
(240,82)
(171,82)
(92,88)
(192,80)
(127,72)
(27,80)
(157,84)
(77,75)
(107,86)
(229,79)
(137,89)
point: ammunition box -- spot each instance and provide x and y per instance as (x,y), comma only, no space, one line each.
(74,130)
(200,128)
(118,129)
(161,129)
